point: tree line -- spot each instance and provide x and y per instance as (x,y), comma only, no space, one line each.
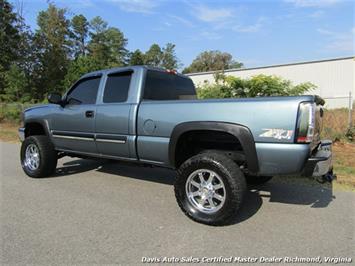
(61,49)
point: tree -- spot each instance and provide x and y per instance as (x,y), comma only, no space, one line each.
(9,39)
(52,49)
(61,50)
(212,61)
(161,57)
(97,47)
(153,56)
(136,58)
(169,59)
(98,26)
(79,67)
(116,43)
(15,81)
(107,45)
(16,56)
(80,31)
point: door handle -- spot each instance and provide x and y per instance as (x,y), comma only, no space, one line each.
(89,113)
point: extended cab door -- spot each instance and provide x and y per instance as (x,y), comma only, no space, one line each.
(73,126)
(114,114)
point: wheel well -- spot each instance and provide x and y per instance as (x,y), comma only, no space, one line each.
(193,142)
(34,129)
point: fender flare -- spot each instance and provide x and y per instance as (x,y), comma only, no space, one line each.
(242,133)
(41,122)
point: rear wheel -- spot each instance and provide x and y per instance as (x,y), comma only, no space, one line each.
(257,180)
(210,188)
(38,156)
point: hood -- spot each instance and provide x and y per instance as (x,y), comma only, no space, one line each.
(38,106)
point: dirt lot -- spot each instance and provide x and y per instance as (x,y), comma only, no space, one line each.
(344,162)
(8,132)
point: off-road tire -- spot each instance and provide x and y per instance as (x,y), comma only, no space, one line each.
(233,179)
(257,180)
(47,156)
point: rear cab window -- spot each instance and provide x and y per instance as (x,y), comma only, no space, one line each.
(117,87)
(161,86)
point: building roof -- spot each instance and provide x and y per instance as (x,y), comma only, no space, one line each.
(270,66)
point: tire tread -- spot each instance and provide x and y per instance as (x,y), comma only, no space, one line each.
(236,181)
(48,156)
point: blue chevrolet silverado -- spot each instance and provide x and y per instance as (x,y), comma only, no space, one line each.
(152,116)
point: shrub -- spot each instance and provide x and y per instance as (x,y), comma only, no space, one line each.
(11,112)
(260,85)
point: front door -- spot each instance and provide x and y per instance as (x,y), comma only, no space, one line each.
(73,127)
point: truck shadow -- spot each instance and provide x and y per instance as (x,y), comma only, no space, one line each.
(313,195)
(125,169)
(297,191)
(303,193)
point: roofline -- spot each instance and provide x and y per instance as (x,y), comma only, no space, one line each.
(126,68)
(270,66)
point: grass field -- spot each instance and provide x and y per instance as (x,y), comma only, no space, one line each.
(344,153)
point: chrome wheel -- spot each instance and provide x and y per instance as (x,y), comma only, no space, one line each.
(32,158)
(205,190)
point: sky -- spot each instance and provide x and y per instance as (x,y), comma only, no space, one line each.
(255,32)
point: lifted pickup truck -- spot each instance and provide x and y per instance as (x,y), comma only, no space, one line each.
(151,116)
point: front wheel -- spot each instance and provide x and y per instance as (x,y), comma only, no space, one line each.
(38,156)
(210,188)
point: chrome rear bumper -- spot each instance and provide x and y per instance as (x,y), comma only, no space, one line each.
(321,163)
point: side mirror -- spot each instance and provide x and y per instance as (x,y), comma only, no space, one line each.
(55,98)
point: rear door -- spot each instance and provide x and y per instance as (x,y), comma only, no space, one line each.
(113,117)
(73,126)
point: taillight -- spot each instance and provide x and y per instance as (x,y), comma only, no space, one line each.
(306,123)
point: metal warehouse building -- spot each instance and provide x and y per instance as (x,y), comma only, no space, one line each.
(334,78)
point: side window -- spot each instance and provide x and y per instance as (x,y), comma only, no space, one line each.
(85,92)
(117,86)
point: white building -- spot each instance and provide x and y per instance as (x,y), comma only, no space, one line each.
(334,78)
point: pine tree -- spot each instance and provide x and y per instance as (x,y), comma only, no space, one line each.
(79,34)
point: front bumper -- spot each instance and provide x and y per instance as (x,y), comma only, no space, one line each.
(320,164)
(21,133)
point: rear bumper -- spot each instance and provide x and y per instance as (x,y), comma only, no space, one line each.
(320,163)
(21,133)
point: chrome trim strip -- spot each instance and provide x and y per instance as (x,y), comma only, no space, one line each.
(151,162)
(112,141)
(92,137)
(98,155)
(71,137)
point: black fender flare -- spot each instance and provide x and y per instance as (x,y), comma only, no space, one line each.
(242,133)
(41,122)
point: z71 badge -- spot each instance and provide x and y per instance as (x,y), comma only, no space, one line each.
(276,133)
